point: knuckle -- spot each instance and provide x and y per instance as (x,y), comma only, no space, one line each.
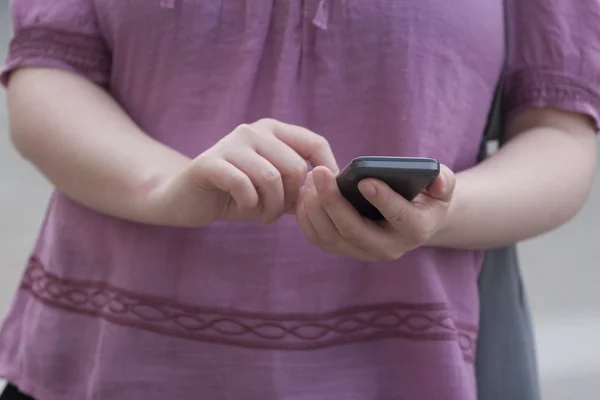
(297,170)
(330,241)
(243,128)
(270,176)
(320,141)
(421,234)
(238,180)
(246,130)
(391,254)
(399,217)
(351,233)
(265,122)
(203,168)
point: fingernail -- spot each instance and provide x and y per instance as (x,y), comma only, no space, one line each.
(368,189)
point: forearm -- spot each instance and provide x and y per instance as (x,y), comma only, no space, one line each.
(533,184)
(86,145)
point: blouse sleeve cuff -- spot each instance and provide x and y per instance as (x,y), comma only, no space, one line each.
(528,88)
(42,47)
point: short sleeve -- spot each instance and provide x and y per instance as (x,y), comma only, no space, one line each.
(553,56)
(60,34)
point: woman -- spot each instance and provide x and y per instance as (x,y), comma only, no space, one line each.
(187,252)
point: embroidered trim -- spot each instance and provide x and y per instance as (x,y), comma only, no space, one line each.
(88,54)
(536,88)
(293,331)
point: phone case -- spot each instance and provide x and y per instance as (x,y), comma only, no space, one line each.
(406,176)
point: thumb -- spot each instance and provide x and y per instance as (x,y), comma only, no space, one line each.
(393,207)
(442,187)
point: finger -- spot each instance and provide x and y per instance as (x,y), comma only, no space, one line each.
(266,178)
(311,146)
(442,187)
(293,167)
(394,208)
(415,220)
(319,229)
(317,215)
(229,179)
(304,222)
(351,226)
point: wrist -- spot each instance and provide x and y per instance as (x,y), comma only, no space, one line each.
(446,231)
(162,197)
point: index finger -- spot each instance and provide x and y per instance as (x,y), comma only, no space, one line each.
(311,146)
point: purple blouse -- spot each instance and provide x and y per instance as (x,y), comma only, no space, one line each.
(109,309)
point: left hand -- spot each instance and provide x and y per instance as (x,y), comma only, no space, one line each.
(330,222)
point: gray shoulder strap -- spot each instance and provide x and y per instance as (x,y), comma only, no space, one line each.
(506,364)
(495,122)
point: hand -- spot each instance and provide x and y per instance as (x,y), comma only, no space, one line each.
(255,171)
(331,223)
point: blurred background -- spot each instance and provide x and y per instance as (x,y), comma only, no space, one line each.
(561,269)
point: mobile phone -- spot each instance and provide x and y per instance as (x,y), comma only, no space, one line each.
(407,176)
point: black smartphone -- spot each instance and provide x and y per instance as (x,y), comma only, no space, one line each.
(407,176)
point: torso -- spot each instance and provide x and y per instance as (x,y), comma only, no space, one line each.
(238,310)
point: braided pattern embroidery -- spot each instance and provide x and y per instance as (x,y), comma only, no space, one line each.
(295,331)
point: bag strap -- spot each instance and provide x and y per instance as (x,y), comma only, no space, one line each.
(494,128)
(505,362)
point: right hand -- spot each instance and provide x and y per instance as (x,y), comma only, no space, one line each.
(256,171)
